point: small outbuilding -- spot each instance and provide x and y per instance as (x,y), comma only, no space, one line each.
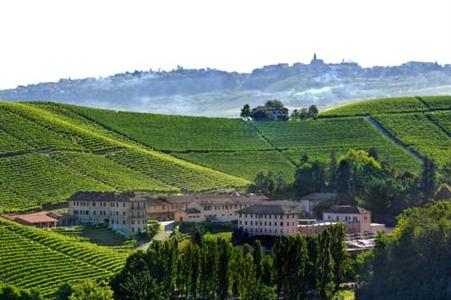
(40,221)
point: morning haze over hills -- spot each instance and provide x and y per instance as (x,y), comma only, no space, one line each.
(211,92)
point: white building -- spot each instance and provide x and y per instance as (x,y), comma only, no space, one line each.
(356,218)
(272,218)
(125,213)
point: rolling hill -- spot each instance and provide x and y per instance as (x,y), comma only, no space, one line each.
(48,151)
(43,260)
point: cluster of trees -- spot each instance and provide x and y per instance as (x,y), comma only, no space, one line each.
(359,177)
(414,261)
(261,113)
(305,113)
(10,292)
(215,269)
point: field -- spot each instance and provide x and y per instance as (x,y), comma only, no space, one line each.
(35,258)
(179,133)
(443,120)
(438,102)
(418,132)
(377,106)
(245,164)
(49,151)
(318,138)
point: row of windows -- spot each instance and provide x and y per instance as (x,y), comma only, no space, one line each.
(100,204)
(94,213)
(258,216)
(346,218)
(269,231)
(261,223)
(223,207)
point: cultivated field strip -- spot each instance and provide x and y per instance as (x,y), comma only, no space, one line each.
(377,106)
(179,133)
(443,120)
(438,102)
(35,258)
(40,179)
(111,173)
(244,164)
(189,176)
(418,132)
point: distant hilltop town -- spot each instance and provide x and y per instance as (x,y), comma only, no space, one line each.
(211,92)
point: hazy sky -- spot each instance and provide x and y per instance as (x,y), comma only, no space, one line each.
(50,39)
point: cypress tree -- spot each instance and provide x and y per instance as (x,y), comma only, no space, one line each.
(257,255)
(332,172)
(225,255)
(339,254)
(325,280)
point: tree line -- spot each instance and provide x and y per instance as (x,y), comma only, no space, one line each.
(358,177)
(296,267)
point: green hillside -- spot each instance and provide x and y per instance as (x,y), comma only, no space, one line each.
(49,151)
(421,124)
(40,259)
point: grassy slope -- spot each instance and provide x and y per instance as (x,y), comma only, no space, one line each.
(421,123)
(47,155)
(36,258)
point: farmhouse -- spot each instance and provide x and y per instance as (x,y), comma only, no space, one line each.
(277,218)
(218,207)
(123,212)
(41,221)
(357,219)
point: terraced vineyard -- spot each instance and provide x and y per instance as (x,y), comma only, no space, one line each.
(48,152)
(245,163)
(35,258)
(318,138)
(179,133)
(187,176)
(443,119)
(377,106)
(438,102)
(418,132)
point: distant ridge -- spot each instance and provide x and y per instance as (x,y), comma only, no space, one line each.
(211,92)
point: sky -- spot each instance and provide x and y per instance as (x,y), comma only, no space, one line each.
(47,40)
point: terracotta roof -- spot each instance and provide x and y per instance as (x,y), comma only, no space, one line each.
(345,209)
(33,219)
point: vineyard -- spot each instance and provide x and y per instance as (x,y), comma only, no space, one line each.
(318,138)
(443,119)
(49,151)
(418,132)
(36,258)
(179,133)
(377,106)
(244,163)
(438,102)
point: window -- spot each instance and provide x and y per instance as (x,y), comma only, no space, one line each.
(123,222)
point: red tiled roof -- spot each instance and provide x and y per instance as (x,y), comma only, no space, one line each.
(32,219)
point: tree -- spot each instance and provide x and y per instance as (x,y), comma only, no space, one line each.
(274,103)
(313,111)
(245,111)
(10,292)
(344,177)
(373,153)
(85,290)
(224,272)
(304,182)
(332,171)
(257,255)
(319,177)
(325,278)
(428,178)
(339,253)
(304,158)
(248,280)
